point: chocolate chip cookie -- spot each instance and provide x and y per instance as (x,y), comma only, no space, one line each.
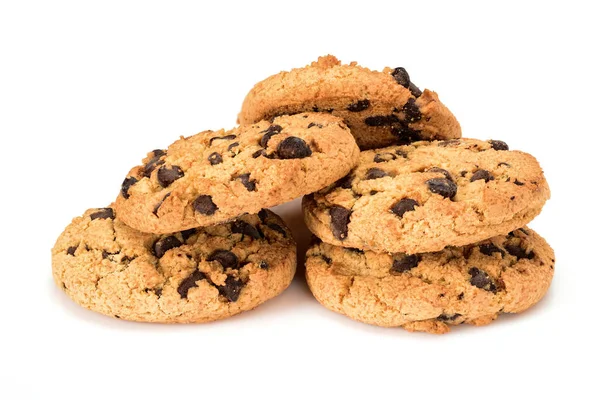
(380,108)
(431,291)
(213,177)
(422,197)
(196,275)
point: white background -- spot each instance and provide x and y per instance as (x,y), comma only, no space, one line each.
(86,90)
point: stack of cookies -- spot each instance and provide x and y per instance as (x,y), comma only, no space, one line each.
(421,229)
(424,233)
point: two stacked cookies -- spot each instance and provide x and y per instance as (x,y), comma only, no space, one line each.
(423,234)
(188,238)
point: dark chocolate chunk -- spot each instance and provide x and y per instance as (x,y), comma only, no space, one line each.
(226,258)
(460,296)
(441,171)
(277,228)
(345,182)
(314,124)
(405,134)
(189,282)
(482,174)
(158,292)
(103,213)
(71,250)
(405,263)
(239,226)
(414,90)
(504,164)
(448,317)
(268,133)
(187,233)
(166,176)
(157,206)
(411,111)
(326,259)
(154,162)
(340,218)
(384,157)
(354,250)
(442,186)
(518,183)
(204,205)
(360,105)
(375,173)
(518,251)
(127,183)
(228,137)
(482,280)
(489,249)
(498,144)
(105,254)
(401,76)
(401,153)
(382,120)
(293,147)
(232,145)
(161,246)
(258,153)
(263,214)
(403,206)
(215,158)
(232,288)
(250,185)
(263,265)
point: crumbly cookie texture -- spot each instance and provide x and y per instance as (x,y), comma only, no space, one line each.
(380,108)
(213,177)
(197,275)
(428,195)
(431,291)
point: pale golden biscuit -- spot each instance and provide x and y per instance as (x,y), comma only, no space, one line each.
(428,292)
(198,275)
(428,195)
(380,108)
(213,177)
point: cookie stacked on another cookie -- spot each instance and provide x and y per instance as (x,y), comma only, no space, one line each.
(188,238)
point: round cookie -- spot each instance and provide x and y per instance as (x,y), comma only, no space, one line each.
(428,195)
(380,108)
(428,292)
(213,177)
(197,275)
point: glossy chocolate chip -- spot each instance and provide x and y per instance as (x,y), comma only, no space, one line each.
(403,206)
(166,176)
(482,280)
(277,228)
(384,157)
(440,171)
(482,174)
(161,246)
(405,263)
(263,265)
(103,213)
(498,145)
(215,158)
(127,183)
(189,282)
(71,250)
(448,317)
(414,90)
(268,133)
(340,218)
(401,76)
(226,258)
(375,173)
(204,205)
(250,185)
(245,228)
(314,124)
(154,162)
(489,249)
(258,153)
(228,137)
(293,147)
(232,288)
(519,252)
(382,120)
(360,105)
(187,233)
(160,203)
(442,186)
(411,111)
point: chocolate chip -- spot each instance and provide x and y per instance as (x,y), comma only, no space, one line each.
(187,233)
(268,133)
(326,259)
(232,288)
(103,213)
(482,280)
(245,228)
(263,214)
(442,186)
(405,263)
(489,249)
(411,111)
(314,124)
(317,109)
(340,218)
(460,296)
(498,145)
(259,153)
(375,173)
(414,90)
(518,183)
(158,292)
(293,147)
(166,176)
(204,205)
(157,206)
(441,171)
(449,143)
(189,282)
(482,174)
(401,76)
(448,317)
(250,185)
(523,230)
(382,120)
(228,137)
(161,246)
(263,265)
(360,105)
(504,164)
(127,183)
(277,228)
(354,250)
(401,153)
(345,182)
(403,206)
(232,145)
(71,250)
(384,157)
(518,252)
(226,258)
(215,158)
(105,254)
(154,162)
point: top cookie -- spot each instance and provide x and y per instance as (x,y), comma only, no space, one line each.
(426,196)
(381,108)
(213,177)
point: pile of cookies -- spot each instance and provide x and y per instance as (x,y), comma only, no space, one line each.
(422,229)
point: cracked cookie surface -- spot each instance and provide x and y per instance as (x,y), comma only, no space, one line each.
(431,291)
(380,108)
(213,177)
(197,275)
(428,195)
